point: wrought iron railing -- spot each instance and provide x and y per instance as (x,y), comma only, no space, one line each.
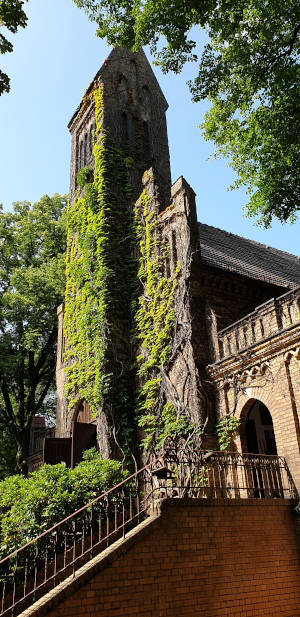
(31,571)
(227,475)
(41,564)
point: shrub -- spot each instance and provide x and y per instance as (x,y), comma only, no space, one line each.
(29,506)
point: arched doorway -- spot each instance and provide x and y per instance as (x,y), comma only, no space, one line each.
(262,471)
(84,431)
(83,413)
(260,437)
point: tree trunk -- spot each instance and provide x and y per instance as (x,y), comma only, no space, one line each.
(22,443)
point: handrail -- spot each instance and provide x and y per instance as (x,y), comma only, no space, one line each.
(27,572)
(42,563)
(47,531)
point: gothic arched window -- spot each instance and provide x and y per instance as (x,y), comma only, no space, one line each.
(83,413)
(134,74)
(92,130)
(146,103)
(123,91)
(174,249)
(124,127)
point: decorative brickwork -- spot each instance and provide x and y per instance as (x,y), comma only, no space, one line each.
(259,360)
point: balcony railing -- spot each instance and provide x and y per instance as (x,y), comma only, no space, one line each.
(268,319)
(40,565)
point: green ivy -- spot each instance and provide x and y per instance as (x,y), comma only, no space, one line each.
(227,429)
(84,175)
(155,320)
(117,302)
(100,275)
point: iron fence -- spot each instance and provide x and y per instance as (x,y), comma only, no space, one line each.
(31,571)
(226,475)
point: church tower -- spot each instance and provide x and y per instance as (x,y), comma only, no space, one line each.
(121,120)
(125,367)
(134,116)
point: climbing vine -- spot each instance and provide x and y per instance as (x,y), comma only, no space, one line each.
(118,302)
(155,321)
(227,429)
(99,283)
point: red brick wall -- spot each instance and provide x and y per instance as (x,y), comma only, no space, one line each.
(200,559)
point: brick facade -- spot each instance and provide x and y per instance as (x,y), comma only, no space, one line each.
(229,353)
(200,558)
(260,361)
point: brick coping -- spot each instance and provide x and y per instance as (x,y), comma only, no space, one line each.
(223,502)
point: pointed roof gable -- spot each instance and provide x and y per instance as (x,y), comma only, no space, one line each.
(116,54)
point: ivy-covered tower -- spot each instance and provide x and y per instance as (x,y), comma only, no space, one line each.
(133,115)
(125,357)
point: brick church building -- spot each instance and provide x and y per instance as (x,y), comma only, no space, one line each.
(170,327)
(240,322)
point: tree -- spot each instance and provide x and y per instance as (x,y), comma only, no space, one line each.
(7,451)
(32,282)
(12,16)
(248,70)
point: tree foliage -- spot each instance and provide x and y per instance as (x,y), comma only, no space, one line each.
(32,281)
(29,506)
(248,70)
(12,17)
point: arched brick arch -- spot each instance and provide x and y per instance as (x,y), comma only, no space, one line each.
(264,395)
(74,413)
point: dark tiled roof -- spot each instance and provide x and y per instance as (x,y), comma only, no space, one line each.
(221,249)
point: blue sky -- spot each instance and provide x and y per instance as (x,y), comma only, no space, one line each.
(53,61)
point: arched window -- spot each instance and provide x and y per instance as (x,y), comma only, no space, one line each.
(257,433)
(84,432)
(122,91)
(92,132)
(133,73)
(174,249)
(83,413)
(167,268)
(130,129)
(81,154)
(146,103)
(124,128)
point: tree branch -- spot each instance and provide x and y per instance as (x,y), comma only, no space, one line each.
(44,392)
(45,351)
(8,411)
(283,54)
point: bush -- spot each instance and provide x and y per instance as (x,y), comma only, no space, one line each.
(29,506)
